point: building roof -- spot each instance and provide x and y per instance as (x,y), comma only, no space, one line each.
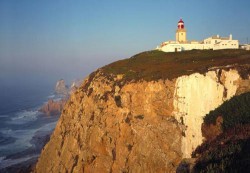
(180,21)
(220,38)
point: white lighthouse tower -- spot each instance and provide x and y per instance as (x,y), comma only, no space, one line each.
(181,33)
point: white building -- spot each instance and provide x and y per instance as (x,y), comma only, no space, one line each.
(217,42)
(245,46)
(181,43)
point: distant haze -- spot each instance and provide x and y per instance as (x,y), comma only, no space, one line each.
(42,41)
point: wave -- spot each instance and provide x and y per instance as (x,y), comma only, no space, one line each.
(23,139)
(5,132)
(4,116)
(51,96)
(1,158)
(24,117)
(48,126)
(9,162)
(21,132)
(5,139)
(57,99)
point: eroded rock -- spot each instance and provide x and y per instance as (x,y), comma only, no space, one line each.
(111,126)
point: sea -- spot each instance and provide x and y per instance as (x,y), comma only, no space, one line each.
(23,129)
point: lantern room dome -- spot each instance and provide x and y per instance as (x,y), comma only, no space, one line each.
(180,21)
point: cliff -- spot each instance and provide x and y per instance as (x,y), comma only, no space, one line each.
(143,114)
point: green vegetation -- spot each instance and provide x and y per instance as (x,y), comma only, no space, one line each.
(154,65)
(234,111)
(229,151)
(231,157)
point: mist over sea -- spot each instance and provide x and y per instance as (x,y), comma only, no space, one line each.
(23,129)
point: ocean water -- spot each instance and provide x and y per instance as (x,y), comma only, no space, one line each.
(23,129)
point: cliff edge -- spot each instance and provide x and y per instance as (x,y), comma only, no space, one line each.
(143,114)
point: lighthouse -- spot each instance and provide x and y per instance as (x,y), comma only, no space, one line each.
(181,34)
(182,44)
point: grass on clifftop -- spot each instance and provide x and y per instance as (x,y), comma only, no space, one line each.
(154,65)
(234,111)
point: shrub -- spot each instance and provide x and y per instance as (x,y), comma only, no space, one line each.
(154,65)
(234,111)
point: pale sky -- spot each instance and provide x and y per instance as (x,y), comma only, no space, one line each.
(42,41)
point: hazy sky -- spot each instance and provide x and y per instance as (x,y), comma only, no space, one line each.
(45,40)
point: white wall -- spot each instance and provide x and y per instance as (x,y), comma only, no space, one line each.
(246,47)
(223,44)
(183,47)
(227,44)
(171,48)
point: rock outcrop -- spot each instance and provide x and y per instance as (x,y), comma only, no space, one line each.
(110,124)
(53,107)
(61,88)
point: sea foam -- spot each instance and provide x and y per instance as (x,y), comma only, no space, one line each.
(24,117)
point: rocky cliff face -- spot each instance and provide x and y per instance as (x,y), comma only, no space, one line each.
(196,95)
(106,127)
(111,126)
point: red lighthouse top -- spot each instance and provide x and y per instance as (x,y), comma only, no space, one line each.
(180,21)
(180,24)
